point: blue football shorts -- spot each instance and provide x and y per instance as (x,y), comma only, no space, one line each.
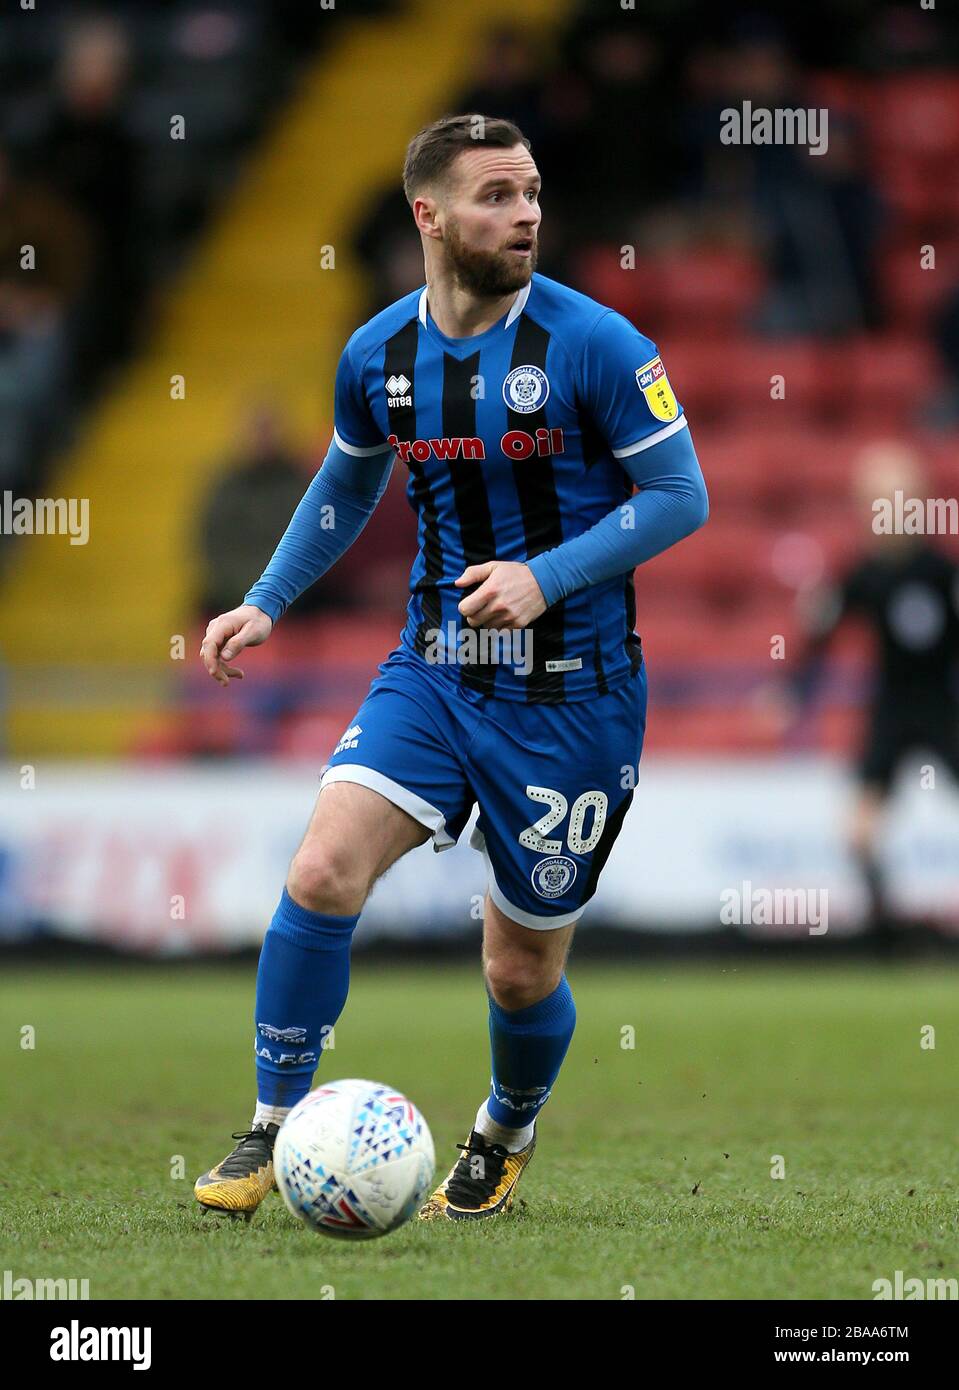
(553,782)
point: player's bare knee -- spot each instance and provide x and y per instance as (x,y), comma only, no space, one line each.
(326,882)
(518,979)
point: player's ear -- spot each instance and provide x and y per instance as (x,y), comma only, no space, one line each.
(425,215)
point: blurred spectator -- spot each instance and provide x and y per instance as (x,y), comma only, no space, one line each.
(946,337)
(508,83)
(249,508)
(386,240)
(247,512)
(389,249)
(905,588)
(34,308)
(609,148)
(819,216)
(85,152)
(823,218)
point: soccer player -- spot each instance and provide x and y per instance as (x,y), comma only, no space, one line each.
(906,590)
(526,415)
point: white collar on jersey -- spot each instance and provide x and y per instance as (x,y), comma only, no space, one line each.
(519,304)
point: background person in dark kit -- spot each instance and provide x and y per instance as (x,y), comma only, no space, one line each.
(905,588)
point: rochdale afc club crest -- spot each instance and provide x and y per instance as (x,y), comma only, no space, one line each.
(654,384)
(526,389)
(552,877)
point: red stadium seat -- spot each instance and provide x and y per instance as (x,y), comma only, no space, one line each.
(313,735)
(911,294)
(941,454)
(709,290)
(598,269)
(782,474)
(844,93)
(708,729)
(691,631)
(916,117)
(919,198)
(890,378)
(760,383)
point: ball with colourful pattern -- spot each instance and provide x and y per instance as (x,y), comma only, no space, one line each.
(354,1160)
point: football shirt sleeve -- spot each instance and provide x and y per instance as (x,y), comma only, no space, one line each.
(671,503)
(626,389)
(354,429)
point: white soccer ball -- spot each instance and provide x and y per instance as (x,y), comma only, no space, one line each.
(354,1160)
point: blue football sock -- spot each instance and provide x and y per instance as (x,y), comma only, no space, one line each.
(528,1047)
(301,986)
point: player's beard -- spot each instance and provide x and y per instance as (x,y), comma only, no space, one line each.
(487,274)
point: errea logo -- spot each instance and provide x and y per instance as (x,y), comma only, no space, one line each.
(349,739)
(397,391)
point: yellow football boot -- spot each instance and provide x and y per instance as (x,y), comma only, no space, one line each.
(238,1184)
(482,1182)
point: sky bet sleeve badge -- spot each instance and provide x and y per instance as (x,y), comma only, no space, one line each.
(654,384)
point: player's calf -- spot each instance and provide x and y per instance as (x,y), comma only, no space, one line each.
(532,1017)
(303,974)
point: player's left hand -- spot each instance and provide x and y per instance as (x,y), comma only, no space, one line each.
(508,596)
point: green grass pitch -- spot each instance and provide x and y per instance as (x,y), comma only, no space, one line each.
(653,1169)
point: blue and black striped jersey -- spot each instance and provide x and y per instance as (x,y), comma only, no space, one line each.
(512,439)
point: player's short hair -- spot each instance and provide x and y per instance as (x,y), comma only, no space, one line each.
(431,152)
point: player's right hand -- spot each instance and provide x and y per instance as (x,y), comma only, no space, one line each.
(227,635)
